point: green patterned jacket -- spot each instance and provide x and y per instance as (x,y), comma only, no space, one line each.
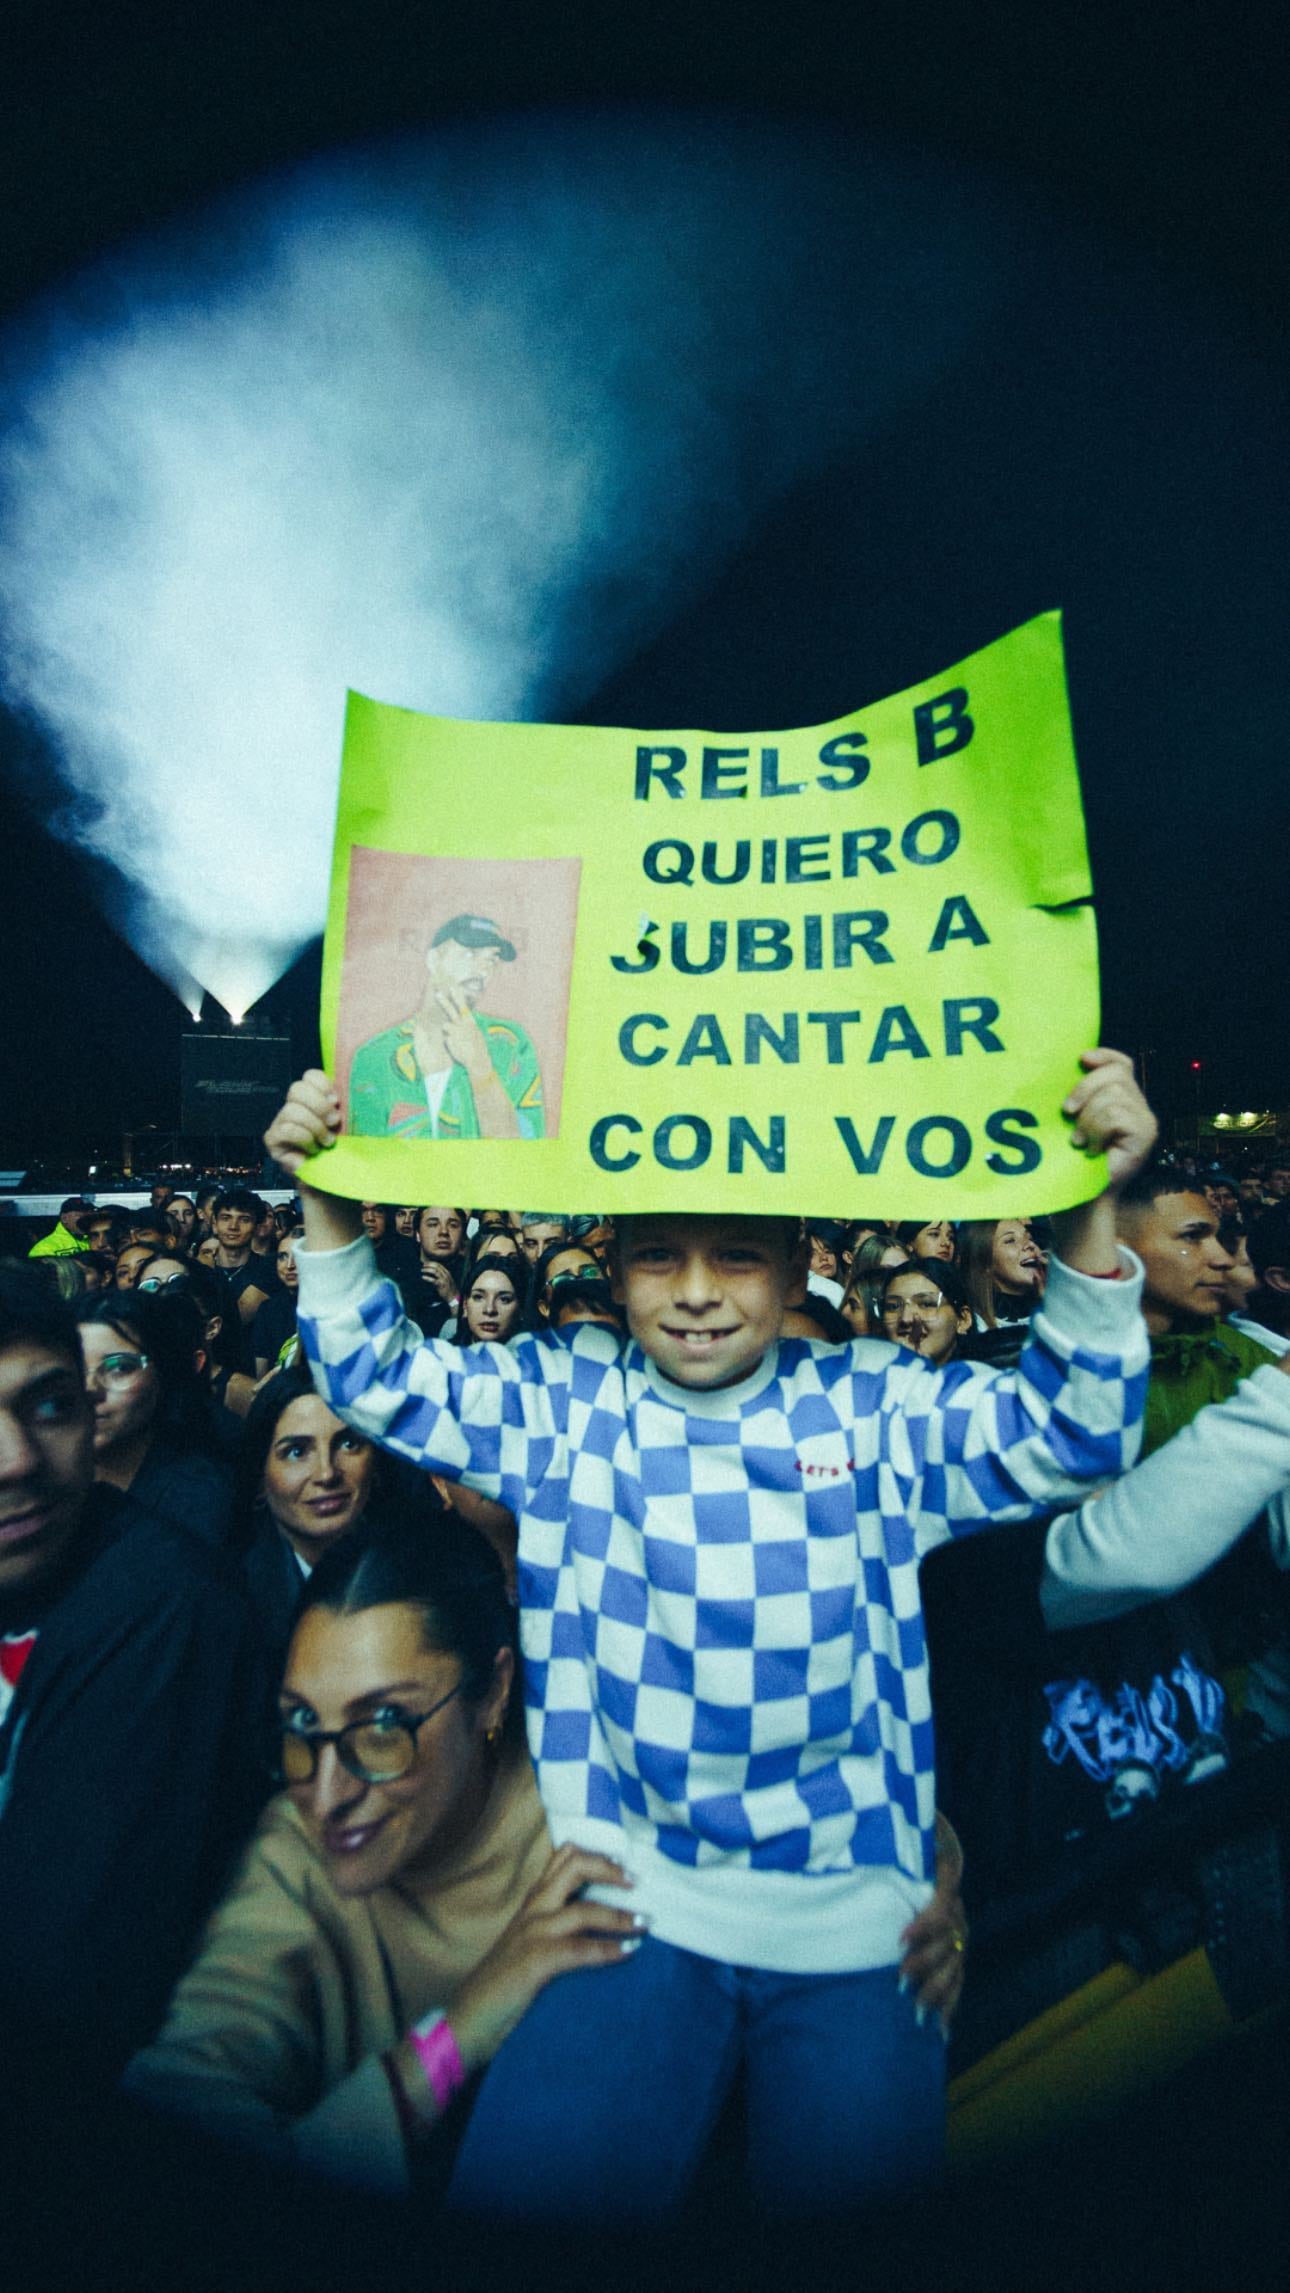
(387,1097)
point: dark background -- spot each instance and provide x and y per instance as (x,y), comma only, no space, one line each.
(1159,133)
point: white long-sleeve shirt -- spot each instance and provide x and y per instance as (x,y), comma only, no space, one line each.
(1175,1514)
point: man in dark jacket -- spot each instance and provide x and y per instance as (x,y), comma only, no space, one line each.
(129,1692)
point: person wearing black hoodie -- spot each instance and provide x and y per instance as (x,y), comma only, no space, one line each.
(130,1681)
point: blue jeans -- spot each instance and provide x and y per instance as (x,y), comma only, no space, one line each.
(603,2099)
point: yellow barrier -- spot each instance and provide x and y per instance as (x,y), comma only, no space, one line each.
(1084,2058)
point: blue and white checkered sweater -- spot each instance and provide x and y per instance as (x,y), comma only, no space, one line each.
(725,1664)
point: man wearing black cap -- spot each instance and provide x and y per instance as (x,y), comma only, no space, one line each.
(450,1071)
(68,1237)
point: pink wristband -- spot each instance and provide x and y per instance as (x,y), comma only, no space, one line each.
(439,2056)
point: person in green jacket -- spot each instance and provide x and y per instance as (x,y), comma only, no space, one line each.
(67,1238)
(450,1071)
(1196,1356)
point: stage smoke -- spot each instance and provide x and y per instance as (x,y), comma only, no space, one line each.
(455,423)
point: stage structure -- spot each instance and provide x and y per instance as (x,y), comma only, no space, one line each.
(231,1086)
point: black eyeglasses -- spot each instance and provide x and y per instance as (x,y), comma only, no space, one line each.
(375,1750)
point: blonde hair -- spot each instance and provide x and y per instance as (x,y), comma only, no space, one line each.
(976,1264)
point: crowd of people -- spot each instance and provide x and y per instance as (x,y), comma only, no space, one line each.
(409,1613)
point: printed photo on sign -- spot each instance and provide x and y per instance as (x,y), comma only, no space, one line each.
(454,996)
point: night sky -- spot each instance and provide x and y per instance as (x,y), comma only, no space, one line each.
(1113,443)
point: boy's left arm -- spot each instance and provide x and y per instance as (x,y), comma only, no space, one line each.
(1015,1445)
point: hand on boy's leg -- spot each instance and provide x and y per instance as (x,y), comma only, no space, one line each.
(1109,1116)
(308,1121)
(936,1940)
(555,1930)
(935,1951)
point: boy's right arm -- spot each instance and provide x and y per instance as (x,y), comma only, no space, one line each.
(443,1407)
(308,1122)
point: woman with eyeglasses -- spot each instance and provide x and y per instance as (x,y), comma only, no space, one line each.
(561,1261)
(229,1389)
(925,1306)
(870,1261)
(142,1357)
(400,1906)
(163,1276)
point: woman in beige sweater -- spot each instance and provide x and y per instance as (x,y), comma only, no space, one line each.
(400,1906)
(405,1869)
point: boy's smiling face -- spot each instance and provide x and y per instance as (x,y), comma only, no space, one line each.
(705,1297)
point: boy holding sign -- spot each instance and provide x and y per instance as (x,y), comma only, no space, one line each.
(725,1665)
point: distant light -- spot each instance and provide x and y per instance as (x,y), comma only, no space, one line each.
(1195,1066)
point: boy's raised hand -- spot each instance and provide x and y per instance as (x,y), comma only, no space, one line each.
(308,1120)
(1110,1116)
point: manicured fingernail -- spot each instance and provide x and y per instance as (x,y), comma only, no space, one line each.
(1077,1138)
(920,2014)
(903,1985)
(945,2028)
(641,1919)
(629,1944)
